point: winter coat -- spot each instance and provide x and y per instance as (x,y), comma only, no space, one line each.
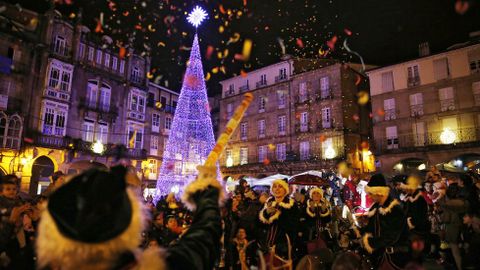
(453,209)
(416,210)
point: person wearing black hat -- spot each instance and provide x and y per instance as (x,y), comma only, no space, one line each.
(386,234)
(416,210)
(95,221)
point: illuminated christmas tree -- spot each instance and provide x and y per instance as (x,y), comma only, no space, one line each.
(191,136)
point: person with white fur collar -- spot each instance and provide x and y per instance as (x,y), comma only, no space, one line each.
(95,221)
(280,218)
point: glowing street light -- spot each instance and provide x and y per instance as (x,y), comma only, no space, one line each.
(447,136)
(422,167)
(98,147)
(197,16)
(229,162)
(330,152)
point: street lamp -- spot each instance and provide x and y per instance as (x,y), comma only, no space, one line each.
(98,147)
(229,162)
(447,136)
(330,152)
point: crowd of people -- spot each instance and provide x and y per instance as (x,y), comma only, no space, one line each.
(408,220)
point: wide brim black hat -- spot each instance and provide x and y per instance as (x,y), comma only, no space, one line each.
(377,185)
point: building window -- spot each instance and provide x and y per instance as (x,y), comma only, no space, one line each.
(263,79)
(325,87)
(105,93)
(243,155)
(81,51)
(389,109)
(137,102)
(3,127)
(304,150)
(419,133)
(387,82)
(302,92)
(154,145)
(476,92)
(90,53)
(88,131)
(231,89)
(92,93)
(326,144)
(304,121)
(135,137)
(282,99)
(392,137)
(281,151)
(107,60)
(99,57)
(229,110)
(60,45)
(114,63)
(155,122)
(447,100)
(168,123)
(262,153)
(475,65)
(243,131)
(261,128)
(413,76)
(282,123)
(261,104)
(102,133)
(135,75)
(122,66)
(54,118)
(153,167)
(416,104)
(440,69)
(283,74)
(13,132)
(65,83)
(54,77)
(326,118)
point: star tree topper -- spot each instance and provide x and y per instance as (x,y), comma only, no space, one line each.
(197,16)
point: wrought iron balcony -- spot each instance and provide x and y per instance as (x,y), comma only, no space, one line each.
(51,141)
(428,141)
(390,114)
(447,104)
(302,99)
(416,110)
(62,51)
(321,125)
(281,78)
(303,127)
(413,81)
(244,88)
(324,94)
(261,83)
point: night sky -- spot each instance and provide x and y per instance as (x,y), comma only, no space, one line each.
(382,32)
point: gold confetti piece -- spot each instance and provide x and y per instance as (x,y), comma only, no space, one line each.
(215,70)
(161,44)
(221,29)
(247,48)
(208,76)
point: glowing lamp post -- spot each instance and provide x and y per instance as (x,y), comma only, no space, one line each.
(448,136)
(98,147)
(330,152)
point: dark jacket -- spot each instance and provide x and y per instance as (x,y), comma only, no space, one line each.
(416,210)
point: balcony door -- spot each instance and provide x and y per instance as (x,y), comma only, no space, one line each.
(419,134)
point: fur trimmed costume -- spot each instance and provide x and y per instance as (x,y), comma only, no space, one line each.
(73,233)
(281,221)
(386,234)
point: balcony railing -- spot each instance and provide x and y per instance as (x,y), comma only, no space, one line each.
(412,142)
(57,94)
(244,88)
(324,125)
(390,114)
(416,110)
(413,81)
(170,109)
(51,141)
(137,80)
(302,99)
(325,94)
(61,50)
(302,127)
(447,104)
(261,83)
(280,78)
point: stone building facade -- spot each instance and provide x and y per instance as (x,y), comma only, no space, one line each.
(73,92)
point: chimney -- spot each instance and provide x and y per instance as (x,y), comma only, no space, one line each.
(423,49)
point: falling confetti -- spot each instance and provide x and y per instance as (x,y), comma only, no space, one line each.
(357,54)
(247,49)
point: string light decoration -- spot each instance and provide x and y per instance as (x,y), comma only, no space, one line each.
(191,136)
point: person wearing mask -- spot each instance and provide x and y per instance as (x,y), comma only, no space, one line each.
(385,236)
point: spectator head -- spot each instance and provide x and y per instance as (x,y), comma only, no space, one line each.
(9,188)
(465,180)
(171,222)
(453,191)
(56,176)
(152,243)
(94,212)
(316,194)
(347,261)
(280,188)
(241,234)
(377,188)
(428,187)
(158,219)
(263,197)
(243,183)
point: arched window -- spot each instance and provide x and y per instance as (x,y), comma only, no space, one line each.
(14,132)
(3,128)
